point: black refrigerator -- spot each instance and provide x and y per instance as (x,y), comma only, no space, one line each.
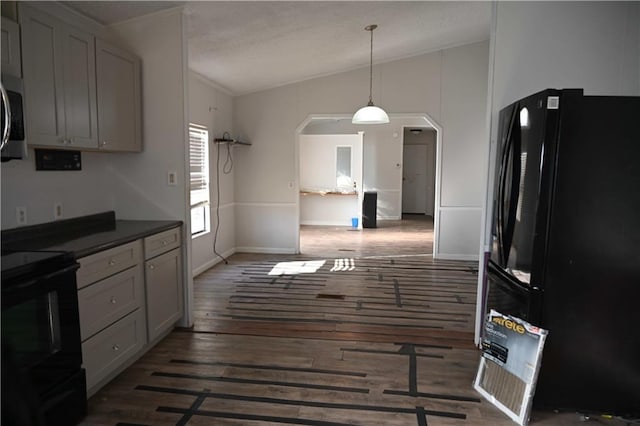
(566,243)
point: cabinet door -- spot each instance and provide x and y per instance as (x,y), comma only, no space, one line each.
(163,278)
(79,64)
(43,82)
(10,50)
(59,82)
(119,110)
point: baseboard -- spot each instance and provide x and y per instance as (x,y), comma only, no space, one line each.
(266,250)
(326,223)
(449,256)
(211,263)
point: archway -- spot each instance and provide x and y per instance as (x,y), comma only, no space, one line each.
(382,162)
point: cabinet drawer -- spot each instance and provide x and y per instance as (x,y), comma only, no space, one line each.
(161,242)
(112,347)
(106,263)
(106,301)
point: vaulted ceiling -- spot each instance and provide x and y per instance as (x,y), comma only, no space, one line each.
(246,46)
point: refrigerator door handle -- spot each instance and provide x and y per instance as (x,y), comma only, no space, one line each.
(502,181)
(514,195)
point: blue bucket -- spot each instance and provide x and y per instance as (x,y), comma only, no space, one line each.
(354,222)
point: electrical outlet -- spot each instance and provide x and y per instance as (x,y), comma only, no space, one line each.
(21,215)
(57,211)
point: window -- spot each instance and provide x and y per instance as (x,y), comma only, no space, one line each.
(343,168)
(199,178)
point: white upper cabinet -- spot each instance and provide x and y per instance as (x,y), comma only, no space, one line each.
(81,117)
(81,92)
(59,79)
(10,49)
(119,108)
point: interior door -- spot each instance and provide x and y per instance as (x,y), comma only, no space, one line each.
(414,179)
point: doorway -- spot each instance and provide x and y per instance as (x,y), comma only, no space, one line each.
(382,168)
(418,171)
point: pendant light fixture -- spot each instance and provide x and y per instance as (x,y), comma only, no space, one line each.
(370,114)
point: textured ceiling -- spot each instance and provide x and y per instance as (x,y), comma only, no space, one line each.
(247,46)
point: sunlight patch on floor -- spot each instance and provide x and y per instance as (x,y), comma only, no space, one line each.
(297,267)
(343,265)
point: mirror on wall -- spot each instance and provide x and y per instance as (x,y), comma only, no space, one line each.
(343,168)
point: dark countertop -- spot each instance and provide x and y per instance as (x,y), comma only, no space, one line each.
(82,236)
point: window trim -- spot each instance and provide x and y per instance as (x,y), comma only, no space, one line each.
(199,178)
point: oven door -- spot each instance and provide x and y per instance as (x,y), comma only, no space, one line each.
(509,296)
(40,327)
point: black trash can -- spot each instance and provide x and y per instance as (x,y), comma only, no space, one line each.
(369,209)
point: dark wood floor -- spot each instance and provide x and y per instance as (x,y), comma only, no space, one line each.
(363,327)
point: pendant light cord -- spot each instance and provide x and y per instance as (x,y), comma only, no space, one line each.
(371,67)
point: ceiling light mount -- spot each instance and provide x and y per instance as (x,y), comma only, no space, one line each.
(370,114)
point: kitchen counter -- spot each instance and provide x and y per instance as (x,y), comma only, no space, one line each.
(82,236)
(320,192)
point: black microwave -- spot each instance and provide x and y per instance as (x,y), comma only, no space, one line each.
(13,109)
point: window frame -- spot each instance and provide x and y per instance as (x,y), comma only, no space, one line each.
(199,178)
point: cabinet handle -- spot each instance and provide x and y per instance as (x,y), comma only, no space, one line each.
(113,300)
(164,243)
(152,266)
(112,262)
(104,143)
(115,347)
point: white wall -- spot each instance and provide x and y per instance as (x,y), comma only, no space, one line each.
(539,45)
(449,86)
(81,192)
(212,107)
(318,158)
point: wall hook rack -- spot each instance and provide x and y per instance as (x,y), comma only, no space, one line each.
(231,141)
(226,138)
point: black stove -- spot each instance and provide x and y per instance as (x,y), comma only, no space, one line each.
(43,381)
(25,264)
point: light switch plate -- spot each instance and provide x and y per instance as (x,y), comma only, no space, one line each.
(172,178)
(57,211)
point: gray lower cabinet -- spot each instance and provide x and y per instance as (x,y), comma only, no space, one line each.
(127,303)
(163,277)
